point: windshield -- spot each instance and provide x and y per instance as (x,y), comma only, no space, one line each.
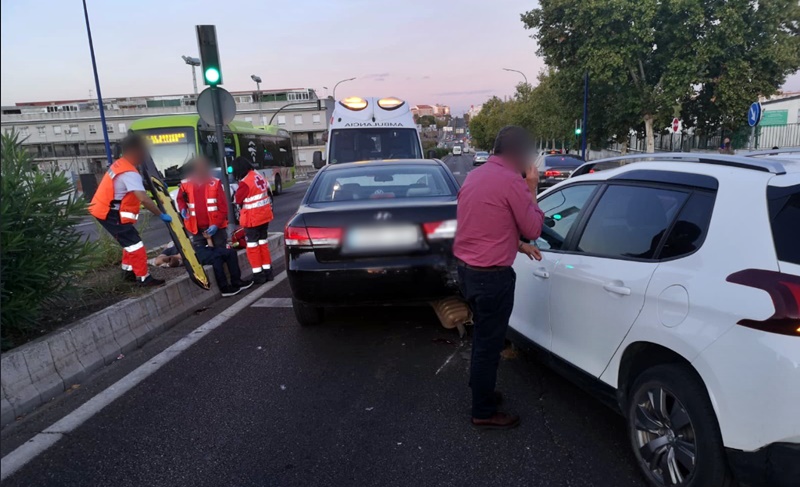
(351,145)
(171,148)
(382,182)
(561,161)
(482,154)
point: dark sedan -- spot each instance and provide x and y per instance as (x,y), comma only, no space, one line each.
(554,168)
(376,232)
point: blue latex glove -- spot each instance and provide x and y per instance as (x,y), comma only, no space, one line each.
(212,230)
(166,218)
(184,213)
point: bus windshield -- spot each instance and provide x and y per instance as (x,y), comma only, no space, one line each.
(363,144)
(171,148)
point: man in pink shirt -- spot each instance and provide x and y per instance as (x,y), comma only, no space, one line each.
(496,209)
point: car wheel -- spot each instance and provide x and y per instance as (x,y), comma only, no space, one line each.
(307,315)
(673,429)
(278,185)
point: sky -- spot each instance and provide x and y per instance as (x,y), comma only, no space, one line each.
(424,51)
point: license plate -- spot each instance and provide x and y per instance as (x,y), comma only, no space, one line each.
(396,237)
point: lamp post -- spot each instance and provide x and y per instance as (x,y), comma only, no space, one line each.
(517,71)
(257,79)
(97,85)
(338,83)
(193,62)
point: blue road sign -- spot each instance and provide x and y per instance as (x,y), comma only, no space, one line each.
(754,114)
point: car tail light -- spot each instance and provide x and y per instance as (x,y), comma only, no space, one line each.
(784,289)
(317,237)
(440,230)
(552,173)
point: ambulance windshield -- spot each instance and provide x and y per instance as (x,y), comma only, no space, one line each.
(364,144)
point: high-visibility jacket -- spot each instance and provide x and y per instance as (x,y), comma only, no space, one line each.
(215,214)
(257,204)
(103,200)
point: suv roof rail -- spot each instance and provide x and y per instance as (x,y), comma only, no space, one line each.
(744,162)
(772,152)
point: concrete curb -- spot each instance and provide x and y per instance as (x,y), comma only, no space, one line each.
(36,372)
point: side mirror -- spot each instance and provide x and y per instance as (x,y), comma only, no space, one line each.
(317,160)
(431,154)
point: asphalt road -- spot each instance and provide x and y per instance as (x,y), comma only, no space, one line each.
(373,396)
(154,233)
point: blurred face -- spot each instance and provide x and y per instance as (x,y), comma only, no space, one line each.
(201,169)
(136,156)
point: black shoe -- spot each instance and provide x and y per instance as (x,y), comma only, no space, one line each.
(260,277)
(151,281)
(243,284)
(128,276)
(268,274)
(228,291)
(498,421)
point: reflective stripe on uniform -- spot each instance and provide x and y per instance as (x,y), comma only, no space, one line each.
(256,270)
(257,204)
(263,242)
(111,174)
(252,244)
(256,197)
(211,200)
(191,205)
(266,267)
(133,248)
(127,267)
(128,214)
(212,208)
(193,214)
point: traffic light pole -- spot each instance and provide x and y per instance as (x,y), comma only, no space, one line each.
(223,163)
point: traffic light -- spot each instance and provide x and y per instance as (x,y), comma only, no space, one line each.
(577,130)
(209,54)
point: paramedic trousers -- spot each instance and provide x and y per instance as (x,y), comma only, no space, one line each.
(490,295)
(134,255)
(258,248)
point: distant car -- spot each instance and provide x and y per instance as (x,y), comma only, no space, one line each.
(554,168)
(457,150)
(653,295)
(372,233)
(479,158)
(466,149)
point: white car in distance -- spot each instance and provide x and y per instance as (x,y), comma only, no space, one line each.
(672,289)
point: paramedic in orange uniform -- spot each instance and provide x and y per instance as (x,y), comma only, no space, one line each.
(255,199)
(116,206)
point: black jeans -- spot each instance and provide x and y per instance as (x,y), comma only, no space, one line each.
(490,296)
(218,258)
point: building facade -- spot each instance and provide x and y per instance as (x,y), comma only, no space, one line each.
(67,135)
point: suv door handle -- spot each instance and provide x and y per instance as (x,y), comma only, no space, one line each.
(621,290)
(541,272)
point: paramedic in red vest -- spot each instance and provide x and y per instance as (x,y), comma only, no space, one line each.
(255,199)
(116,206)
(203,205)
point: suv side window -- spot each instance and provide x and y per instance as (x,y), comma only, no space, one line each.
(690,228)
(630,221)
(784,212)
(561,210)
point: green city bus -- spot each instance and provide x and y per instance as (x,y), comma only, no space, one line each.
(176,139)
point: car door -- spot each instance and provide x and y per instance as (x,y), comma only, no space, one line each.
(599,285)
(531,314)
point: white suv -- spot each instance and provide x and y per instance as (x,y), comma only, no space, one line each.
(671,288)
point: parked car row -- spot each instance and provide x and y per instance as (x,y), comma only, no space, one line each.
(668,288)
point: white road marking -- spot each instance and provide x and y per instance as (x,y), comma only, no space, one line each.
(48,437)
(448,359)
(273,303)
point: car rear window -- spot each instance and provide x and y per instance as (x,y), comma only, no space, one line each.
(561,161)
(784,214)
(382,182)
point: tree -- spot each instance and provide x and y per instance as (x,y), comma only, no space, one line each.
(494,115)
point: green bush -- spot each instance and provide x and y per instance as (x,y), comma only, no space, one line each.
(40,249)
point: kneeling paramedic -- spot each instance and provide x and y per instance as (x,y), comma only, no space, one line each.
(204,208)
(255,198)
(116,206)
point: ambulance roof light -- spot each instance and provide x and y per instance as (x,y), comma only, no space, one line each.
(354,103)
(390,103)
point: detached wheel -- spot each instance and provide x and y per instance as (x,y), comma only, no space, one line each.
(673,429)
(307,315)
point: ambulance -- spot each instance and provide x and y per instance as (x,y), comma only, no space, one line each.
(364,129)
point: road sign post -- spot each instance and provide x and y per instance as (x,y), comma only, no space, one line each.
(754,114)
(223,164)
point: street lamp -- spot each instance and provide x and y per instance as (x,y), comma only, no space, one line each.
(257,79)
(338,83)
(517,71)
(193,62)
(326,91)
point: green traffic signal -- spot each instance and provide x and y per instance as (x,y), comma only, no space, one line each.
(577,131)
(212,76)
